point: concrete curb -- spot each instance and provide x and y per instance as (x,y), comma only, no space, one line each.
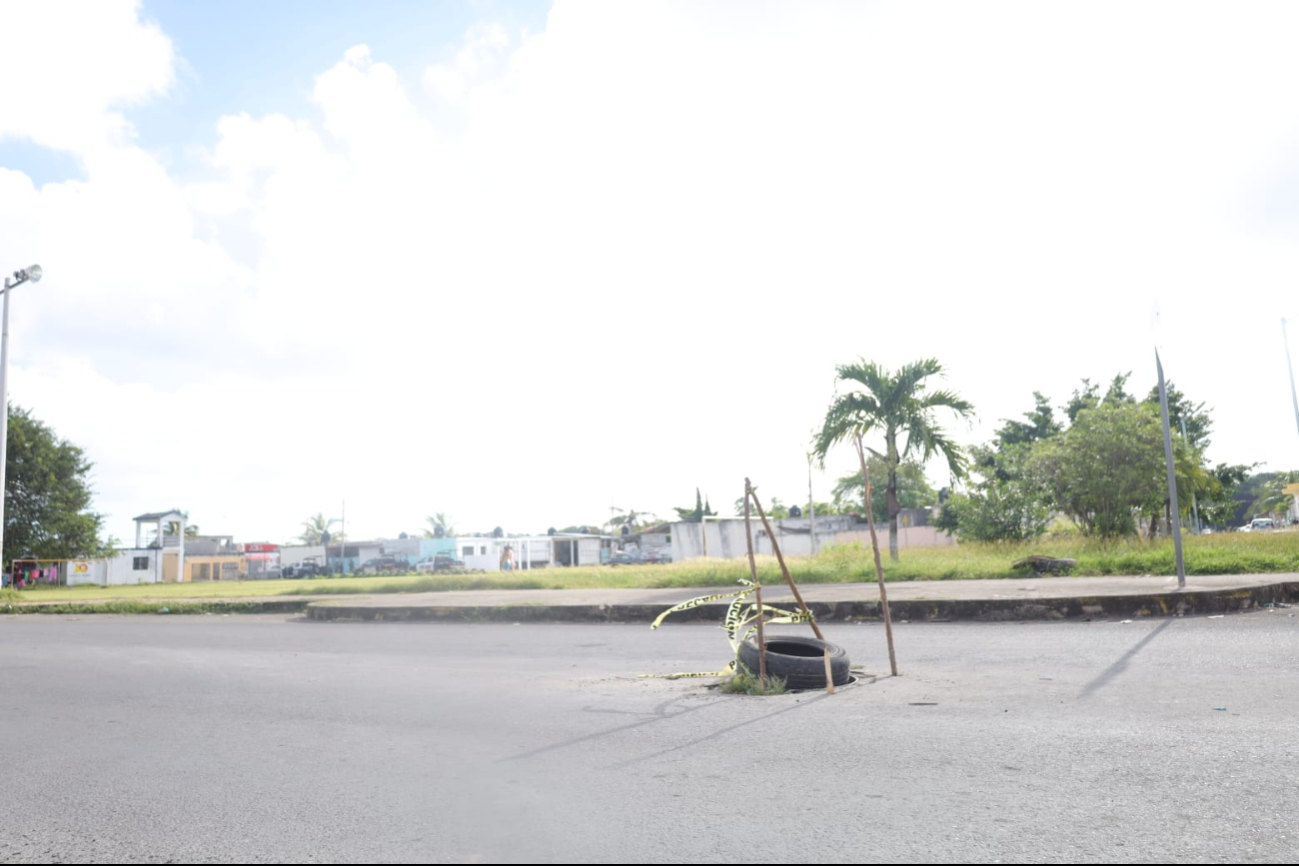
(178,606)
(920,610)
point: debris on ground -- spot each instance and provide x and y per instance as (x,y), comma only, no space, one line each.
(1046,564)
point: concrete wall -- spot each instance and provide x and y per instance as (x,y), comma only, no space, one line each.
(407,549)
(725,539)
(210,568)
(908,536)
(475,557)
(86,571)
(122,571)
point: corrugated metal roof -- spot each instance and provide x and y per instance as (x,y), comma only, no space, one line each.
(157,515)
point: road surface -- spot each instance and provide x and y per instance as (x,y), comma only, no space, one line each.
(269,739)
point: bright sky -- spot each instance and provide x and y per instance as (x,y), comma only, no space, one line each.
(519,262)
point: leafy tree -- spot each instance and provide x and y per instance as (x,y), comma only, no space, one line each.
(1106,468)
(1118,389)
(1040,424)
(775,510)
(1090,396)
(1087,398)
(1010,503)
(1181,409)
(696,514)
(1225,507)
(903,412)
(439,525)
(47,494)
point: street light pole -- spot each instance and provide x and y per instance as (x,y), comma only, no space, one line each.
(1293,395)
(32,274)
(1174,511)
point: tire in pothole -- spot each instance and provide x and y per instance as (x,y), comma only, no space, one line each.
(799,661)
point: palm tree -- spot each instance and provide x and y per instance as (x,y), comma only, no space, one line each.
(313,528)
(439,525)
(893,405)
(632,519)
(1272,498)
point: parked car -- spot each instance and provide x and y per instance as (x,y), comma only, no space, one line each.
(302,569)
(384,565)
(1261,523)
(442,562)
(622,558)
(655,556)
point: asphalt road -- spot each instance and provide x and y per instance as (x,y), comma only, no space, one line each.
(258,739)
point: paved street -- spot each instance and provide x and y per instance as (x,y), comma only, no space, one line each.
(257,739)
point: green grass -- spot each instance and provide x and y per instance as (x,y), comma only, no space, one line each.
(746,683)
(1227,553)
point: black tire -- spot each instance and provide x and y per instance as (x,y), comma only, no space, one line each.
(799,661)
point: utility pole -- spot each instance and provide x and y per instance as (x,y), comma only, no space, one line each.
(1293,396)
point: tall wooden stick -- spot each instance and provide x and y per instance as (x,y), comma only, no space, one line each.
(753,569)
(783,570)
(879,568)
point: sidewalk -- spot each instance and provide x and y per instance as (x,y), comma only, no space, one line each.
(932,600)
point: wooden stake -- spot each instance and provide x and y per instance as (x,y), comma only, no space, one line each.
(829,674)
(879,568)
(783,570)
(753,569)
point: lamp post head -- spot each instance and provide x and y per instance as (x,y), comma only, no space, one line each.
(34,273)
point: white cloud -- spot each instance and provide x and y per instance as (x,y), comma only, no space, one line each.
(478,60)
(69,66)
(630,262)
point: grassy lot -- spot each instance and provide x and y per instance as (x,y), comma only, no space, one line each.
(1229,553)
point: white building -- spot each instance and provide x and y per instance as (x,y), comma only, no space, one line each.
(486,553)
(724,538)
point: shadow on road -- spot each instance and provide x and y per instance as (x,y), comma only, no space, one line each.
(1122,664)
(720,731)
(660,713)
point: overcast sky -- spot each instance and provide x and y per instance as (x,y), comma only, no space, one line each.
(522,262)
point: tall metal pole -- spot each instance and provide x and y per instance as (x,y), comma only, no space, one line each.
(1293,395)
(342,543)
(811,504)
(757,583)
(4,412)
(1195,508)
(1172,476)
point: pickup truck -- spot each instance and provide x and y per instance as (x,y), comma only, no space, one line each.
(302,569)
(441,562)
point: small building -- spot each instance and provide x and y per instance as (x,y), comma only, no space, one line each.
(261,559)
(351,555)
(487,553)
(480,552)
(655,540)
(135,565)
